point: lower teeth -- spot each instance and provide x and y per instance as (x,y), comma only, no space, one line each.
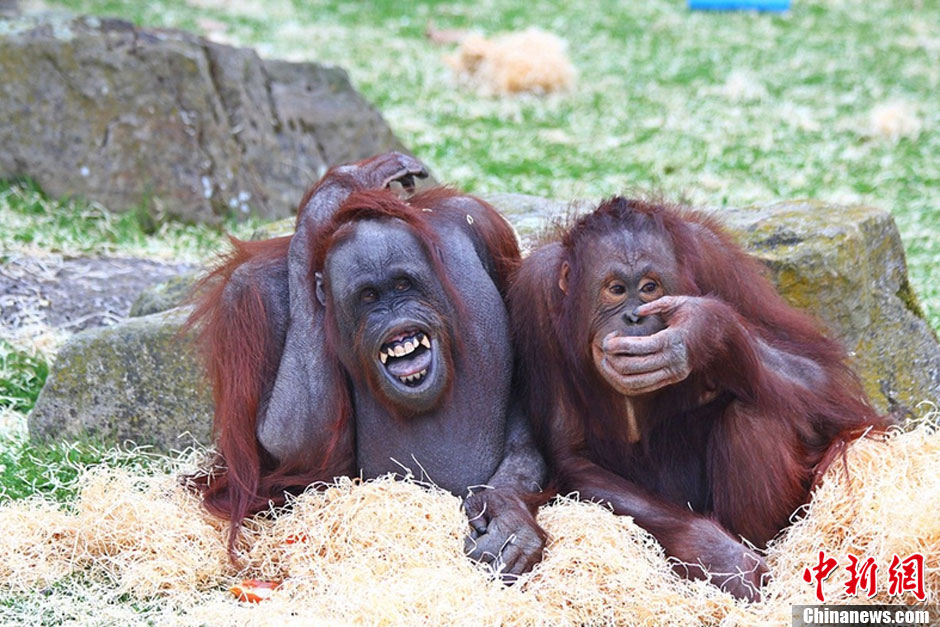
(415,378)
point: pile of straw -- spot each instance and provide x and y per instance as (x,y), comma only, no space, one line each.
(136,547)
(531,60)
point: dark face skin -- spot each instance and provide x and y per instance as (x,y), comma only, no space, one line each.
(625,270)
(390,313)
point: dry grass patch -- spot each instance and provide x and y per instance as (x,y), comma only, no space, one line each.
(390,552)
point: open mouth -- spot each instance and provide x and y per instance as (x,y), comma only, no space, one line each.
(407,357)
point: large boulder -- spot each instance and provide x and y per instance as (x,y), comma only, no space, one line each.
(137,381)
(171,122)
(164,296)
(845,264)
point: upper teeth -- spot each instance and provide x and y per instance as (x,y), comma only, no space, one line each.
(405,348)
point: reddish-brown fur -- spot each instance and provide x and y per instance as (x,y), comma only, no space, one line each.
(241,351)
(241,355)
(779,444)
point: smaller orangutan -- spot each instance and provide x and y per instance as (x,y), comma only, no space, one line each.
(666,377)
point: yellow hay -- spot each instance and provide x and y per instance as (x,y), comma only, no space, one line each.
(894,120)
(140,548)
(526,61)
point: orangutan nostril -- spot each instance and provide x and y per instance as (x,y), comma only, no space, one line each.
(632,317)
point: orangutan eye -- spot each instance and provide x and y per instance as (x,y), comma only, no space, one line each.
(617,289)
(402,285)
(649,287)
(368,295)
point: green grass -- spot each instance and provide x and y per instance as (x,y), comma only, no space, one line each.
(654,108)
(22,375)
(51,470)
(32,221)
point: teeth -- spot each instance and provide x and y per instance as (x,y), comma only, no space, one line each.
(405,347)
(414,378)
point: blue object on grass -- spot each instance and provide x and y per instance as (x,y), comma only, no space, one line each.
(739,5)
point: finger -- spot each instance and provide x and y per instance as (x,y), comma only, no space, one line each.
(476,515)
(487,548)
(638,383)
(649,381)
(664,305)
(471,548)
(626,365)
(411,165)
(396,176)
(638,344)
(509,560)
(479,551)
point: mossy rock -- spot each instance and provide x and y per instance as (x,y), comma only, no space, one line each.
(164,296)
(137,381)
(846,264)
(169,123)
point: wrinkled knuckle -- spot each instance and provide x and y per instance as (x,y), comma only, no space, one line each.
(472,506)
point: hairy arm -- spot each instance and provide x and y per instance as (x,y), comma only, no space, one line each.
(304,403)
(503,530)
(522,468)
(701,546)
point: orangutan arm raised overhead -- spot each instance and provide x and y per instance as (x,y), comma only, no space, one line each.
(304,402)
(281,416)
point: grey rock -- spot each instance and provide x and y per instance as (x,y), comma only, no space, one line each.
(136,381)
(170,122)
(279,228)
(164,296)
(76,293)
(844,264)
(534,217)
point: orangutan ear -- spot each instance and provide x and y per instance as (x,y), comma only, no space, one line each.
(321,294)
(563,276)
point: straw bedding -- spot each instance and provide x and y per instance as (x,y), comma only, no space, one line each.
(136,547)
(531,60)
